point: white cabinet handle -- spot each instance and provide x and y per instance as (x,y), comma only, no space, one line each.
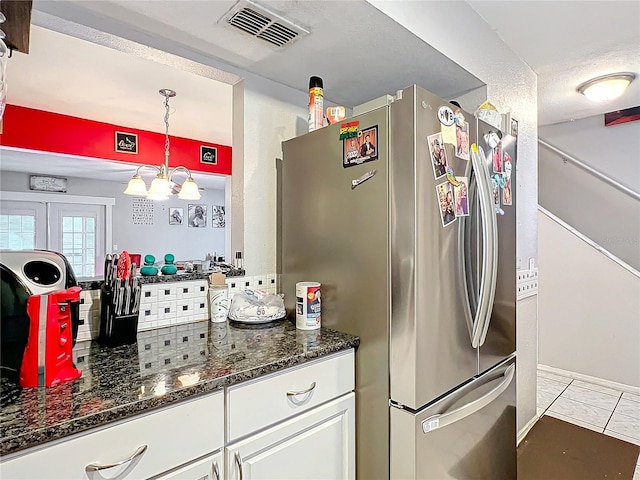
(291,393)
(94,467)
(216,471)
(239,462)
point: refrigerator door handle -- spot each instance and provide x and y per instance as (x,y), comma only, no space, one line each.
(489,245)
(469,293)
(492,257)
(441,420)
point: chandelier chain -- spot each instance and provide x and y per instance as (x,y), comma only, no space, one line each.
(166,124)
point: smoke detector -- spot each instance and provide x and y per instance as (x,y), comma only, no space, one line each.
(259,22)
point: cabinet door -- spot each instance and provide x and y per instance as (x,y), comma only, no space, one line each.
(318,445)
(208,468)
(137,448)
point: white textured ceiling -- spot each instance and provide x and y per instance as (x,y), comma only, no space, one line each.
(66,75)
(83,78)
(360,52)
(567,43)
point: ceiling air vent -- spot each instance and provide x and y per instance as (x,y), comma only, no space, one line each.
(264,24)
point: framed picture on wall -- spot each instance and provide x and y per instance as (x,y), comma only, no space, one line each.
(176,214)
(218,218)
(208,155)
(197,216)
(126,142)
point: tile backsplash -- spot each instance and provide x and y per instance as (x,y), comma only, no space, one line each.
(169,303)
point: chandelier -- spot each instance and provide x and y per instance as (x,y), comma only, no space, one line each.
(161,187)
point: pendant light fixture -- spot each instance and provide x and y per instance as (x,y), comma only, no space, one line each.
(606,87)
(161,186)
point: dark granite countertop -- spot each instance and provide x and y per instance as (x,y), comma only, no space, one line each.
(94,283)
(164,366)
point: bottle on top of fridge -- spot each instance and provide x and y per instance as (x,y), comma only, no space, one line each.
(316,104)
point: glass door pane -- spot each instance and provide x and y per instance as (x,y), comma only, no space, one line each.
(78,232)
(22,225)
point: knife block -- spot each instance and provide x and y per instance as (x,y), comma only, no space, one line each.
(115,329)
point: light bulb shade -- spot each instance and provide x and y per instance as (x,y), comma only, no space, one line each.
(189,190)
(607,87)
(136,186)
(160,189)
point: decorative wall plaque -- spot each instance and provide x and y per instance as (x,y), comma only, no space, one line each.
(126,142)
(208,155)
(142,211)
(46,183)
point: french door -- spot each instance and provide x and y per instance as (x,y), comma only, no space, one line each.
(77,231)
(23,225)
(74,229)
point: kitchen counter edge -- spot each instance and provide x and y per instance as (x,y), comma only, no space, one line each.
(10,447)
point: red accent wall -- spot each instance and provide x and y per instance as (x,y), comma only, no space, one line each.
(33,129)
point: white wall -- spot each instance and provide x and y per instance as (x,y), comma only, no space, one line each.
(158,239)
(613,150)
(511,85)
(598,210)
(272,113)
(588,307)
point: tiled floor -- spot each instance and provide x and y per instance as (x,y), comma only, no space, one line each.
(591,406)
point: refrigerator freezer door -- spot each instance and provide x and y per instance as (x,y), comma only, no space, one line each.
(471,433)
(431,346)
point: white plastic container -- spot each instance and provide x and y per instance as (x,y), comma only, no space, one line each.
(218,302)
(308,306)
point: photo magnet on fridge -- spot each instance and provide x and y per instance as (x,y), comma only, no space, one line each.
(497,158)
(462,140)
(496,195)
(360,149)
(514,127)
(438,155)
(461,195)
(506,189)
(444,192)
(506,192)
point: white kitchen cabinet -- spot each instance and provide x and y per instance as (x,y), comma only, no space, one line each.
(267,400)
(316,445)
(136,448)
(298,423)
(208,468)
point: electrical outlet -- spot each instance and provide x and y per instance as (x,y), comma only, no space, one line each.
(527,283)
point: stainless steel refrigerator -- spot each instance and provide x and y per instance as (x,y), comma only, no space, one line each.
(431,297)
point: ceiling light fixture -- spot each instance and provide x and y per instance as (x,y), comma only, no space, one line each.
(161,188)
(606,87)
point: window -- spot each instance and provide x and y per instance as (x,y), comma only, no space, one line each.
(78,230)
(19,225)
(79,244)
(17,232)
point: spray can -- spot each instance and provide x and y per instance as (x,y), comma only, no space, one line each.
(316,104)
